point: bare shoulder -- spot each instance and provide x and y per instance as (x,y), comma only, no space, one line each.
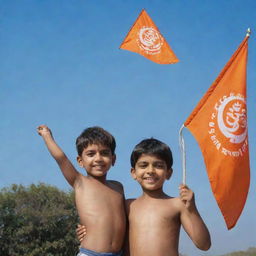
(175,203)
(128,203)
(116,185)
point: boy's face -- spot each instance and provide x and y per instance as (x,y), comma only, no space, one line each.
(151,172)
(96,159)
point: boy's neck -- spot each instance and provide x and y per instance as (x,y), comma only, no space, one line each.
(101,179)
(157,194)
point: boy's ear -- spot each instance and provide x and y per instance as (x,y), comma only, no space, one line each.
(79,161)
(133,173)
(113,159)
(169,174)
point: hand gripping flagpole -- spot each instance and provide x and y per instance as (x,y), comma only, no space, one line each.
(183,154)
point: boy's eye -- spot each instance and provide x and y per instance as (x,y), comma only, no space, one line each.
(159,165)
(105,153)
(90,153)
(142,165)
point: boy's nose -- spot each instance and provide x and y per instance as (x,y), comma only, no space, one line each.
(150,169)
(98,157)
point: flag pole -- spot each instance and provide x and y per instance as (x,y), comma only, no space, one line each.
(183,154)
(248,32)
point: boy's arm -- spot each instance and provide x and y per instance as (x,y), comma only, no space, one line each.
(67,168)
(192,221)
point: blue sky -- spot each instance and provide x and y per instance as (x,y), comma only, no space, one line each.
(61,65)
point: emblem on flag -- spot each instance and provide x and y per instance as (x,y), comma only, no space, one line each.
(228,125)
(150,40)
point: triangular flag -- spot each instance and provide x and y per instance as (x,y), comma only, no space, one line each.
(219,124)
(145,38)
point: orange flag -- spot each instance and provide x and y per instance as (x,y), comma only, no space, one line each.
(219,124)
(145,38)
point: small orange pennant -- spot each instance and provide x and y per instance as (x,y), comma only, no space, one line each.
(145,38)
(219,124)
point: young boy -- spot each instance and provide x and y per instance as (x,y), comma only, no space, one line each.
(99,202)
(155,218)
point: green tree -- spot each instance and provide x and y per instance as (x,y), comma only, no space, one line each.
(37,220)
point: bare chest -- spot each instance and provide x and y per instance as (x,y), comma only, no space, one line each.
(94,198)
(144,215)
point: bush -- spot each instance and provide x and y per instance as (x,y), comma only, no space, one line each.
(37,220)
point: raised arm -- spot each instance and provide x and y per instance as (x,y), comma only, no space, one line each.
(67,168)
(192,221)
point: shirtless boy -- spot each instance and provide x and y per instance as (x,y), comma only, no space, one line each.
(99,202)
(155,218)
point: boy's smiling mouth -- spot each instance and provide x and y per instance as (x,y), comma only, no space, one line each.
(150,179)
(98,166)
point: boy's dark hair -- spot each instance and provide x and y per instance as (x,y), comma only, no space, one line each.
(95,135)
(152,147)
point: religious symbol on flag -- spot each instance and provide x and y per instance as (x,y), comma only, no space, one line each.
(145,38)
(219,124)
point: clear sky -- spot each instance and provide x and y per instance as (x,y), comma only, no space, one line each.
(61,65)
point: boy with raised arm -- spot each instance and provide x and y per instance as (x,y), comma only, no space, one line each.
(99,202)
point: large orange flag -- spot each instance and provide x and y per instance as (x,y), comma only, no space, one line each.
(219,124)
(145,38)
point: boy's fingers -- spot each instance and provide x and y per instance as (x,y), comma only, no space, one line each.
(81,232)
(183,192)
(183,186)
(80,227)
(42,127)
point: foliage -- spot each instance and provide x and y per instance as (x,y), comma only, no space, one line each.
(37,220)
(250,252)
(41,219)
